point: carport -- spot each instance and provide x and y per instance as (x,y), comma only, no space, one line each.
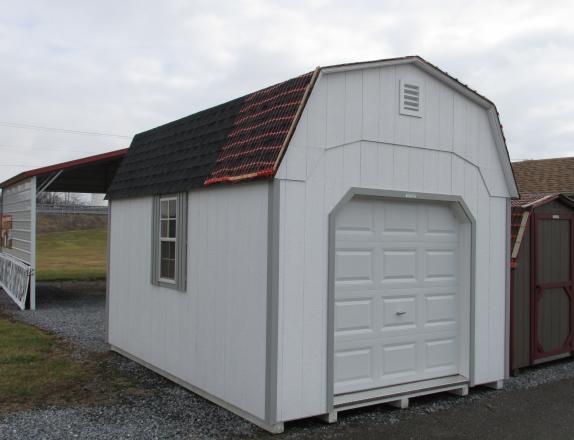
(91,174)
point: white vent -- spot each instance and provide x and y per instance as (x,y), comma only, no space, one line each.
(411,99)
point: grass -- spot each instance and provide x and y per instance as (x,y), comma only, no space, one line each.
(72,255)
(37,369)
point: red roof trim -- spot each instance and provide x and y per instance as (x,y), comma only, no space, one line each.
(65,165)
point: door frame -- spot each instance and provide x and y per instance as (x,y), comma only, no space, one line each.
(457,202)
(537,352)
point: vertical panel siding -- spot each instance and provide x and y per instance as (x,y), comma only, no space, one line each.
(213,335)
(391,151)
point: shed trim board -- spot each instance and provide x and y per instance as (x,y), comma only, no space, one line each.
(396,195)
(272,303)
(508,293)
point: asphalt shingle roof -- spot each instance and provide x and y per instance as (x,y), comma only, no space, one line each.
(237,140)
(545,175)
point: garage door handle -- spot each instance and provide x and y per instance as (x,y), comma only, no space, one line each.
(401,312)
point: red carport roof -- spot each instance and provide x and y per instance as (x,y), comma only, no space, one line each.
(90,160)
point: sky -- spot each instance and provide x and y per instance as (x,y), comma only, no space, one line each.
(122,67)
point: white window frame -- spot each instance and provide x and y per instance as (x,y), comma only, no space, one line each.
(180,275)
(167,240)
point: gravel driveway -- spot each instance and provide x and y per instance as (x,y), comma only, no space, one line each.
(542,394)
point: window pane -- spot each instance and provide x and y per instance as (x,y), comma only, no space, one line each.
(163,268)
(171,229)
(164,228)
(167,250)
(172,204)
(167,269)
(164,208)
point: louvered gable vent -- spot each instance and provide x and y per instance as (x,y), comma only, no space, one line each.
(411,98)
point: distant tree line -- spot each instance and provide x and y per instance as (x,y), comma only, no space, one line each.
(59,198)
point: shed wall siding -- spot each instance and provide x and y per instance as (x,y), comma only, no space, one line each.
(17,202)
(352,135)
(213,335)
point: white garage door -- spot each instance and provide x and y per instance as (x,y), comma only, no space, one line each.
(396,302)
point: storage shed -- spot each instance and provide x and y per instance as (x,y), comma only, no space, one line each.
(359,258)
(541,287)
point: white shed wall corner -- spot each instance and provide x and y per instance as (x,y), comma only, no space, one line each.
(352,135)
(211,338)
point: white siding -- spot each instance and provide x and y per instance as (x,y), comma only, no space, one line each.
(17,202)
(213,335)
(353,135)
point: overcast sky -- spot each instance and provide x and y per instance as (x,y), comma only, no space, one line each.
(121,67)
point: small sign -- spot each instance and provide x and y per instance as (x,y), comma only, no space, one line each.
(6,232)
(555,217)
(410,196)
(15,278)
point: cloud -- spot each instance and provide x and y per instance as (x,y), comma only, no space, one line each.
(124,67)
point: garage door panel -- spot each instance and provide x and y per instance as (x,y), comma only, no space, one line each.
(396,301)
(354,266)
(441,355)
(399,312)
(398,361)
(440,265)
(441,310)
(440,222)
(354,316)
(398,220)
(354,368)
(398,265)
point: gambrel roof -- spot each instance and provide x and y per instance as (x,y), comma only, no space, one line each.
(241,139)
(246,138)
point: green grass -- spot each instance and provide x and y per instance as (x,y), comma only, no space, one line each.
(34,367)
(37,370)
(72,255)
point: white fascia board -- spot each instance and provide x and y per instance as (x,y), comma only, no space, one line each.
(458,87)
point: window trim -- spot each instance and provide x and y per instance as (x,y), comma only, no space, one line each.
(167,240)
(180,280)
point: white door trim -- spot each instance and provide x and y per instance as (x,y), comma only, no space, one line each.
(458,204)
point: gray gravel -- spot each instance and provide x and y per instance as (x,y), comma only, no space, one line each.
(73,310)
(173,412)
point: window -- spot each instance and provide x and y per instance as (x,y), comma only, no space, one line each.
(167,238)
(169,241)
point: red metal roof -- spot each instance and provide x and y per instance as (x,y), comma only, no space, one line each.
(90,160)
(533,200)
